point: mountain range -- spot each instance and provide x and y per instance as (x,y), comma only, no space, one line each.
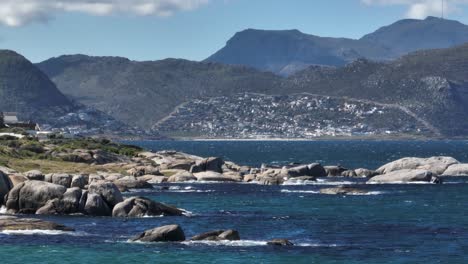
(383,92)
(288,51)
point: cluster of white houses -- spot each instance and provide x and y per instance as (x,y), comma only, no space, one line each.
(10,120)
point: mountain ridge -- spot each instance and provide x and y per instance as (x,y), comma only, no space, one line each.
(288,51)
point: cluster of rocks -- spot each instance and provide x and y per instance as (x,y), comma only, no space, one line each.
(61,194)
(174,233)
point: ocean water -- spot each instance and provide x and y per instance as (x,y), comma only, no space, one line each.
(410,223)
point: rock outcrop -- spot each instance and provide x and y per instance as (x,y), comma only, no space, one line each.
(403,176)
(108,191)
(456,170)
(8,223)
(29,196)
(140,206)
(280,242)
(5,186)
(168,233)
(436,165)
(217,235)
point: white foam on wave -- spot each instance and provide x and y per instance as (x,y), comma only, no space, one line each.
(3,210)
(298,191)
(42,232)
(318,192)
(400,182)
(228,243)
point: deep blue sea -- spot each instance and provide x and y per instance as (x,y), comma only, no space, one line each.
(418,223)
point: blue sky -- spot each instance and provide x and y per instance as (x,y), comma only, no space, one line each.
(189,29)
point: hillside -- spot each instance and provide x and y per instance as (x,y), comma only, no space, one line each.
(25,89)
(432,84)
(142,93)
(409,35)
(288,51)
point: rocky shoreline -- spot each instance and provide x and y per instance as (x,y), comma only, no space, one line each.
(100,193)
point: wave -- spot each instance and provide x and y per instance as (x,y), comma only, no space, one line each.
(3,210)
(43,232)
(298,191)
(400,182)
(318,192)
(249,243)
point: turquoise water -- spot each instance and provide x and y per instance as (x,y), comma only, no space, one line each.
(393,224)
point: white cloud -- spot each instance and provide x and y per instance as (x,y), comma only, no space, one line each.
(422,8)
(20,12)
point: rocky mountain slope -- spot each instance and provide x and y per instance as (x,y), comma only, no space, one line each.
(432,84)
(28,91)
(288,51)
(289,116)
(142,93)
(426,92)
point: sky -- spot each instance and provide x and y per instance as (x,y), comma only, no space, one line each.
(189,29)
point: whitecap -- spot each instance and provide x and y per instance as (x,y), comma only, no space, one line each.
(228,243)
(42,232)
(401,182)
(3,210)
(298,191)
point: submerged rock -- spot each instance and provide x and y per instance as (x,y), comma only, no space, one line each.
(15,223)
(403,176)
(140,206)
(168,233)
(280,242)
(342,190)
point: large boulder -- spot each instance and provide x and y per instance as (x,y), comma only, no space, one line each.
(403,176)
(68,204)
(140,206)
(334,171)
(59,178)
(209,164)
(456,170)
(107,190)
(78,181)
(364,173)
(29,196)
(5,186)
(14,223)
(168,233)
(182,176)
(314,170)
(17,178)
(213,176)
(96,206)
(144,170)
(436,165)
(153,179)
(34,175)
(128,183)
